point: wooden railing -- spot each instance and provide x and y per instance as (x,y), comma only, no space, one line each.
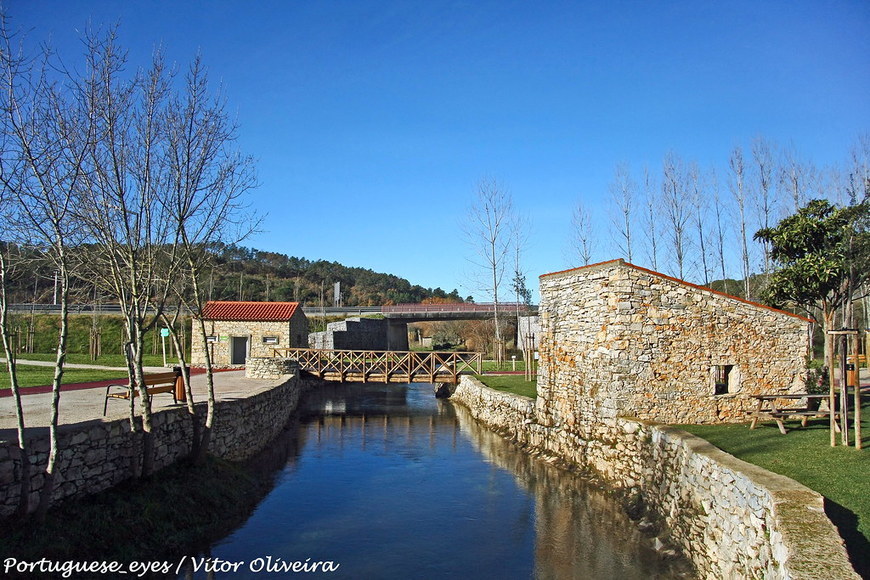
(384,366)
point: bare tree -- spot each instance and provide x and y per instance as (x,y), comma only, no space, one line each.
(719,232)
(489,232)
(582,234)
(737,184)
(135,241)
(11,65)
(765,197)
(651,217)
(622,193)
(677,212)
(41,172)
(208,180)
(522,293)
(795,177)
(699,206)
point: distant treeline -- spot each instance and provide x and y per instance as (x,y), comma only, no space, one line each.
(240,273)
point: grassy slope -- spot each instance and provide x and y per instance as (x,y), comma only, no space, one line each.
(510,383)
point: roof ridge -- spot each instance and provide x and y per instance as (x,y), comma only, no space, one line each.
(622,262)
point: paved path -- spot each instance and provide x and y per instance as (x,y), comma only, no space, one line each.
(86,405)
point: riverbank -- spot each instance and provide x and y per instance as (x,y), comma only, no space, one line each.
(730,518)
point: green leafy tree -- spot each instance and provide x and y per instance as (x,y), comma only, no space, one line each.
(822,252)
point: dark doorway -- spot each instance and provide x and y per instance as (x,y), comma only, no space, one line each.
(240,350)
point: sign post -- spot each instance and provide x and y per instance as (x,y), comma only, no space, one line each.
(164,332)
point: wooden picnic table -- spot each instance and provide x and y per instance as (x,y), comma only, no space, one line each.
(768,408)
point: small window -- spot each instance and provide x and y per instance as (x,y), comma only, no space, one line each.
(270,340)
(721,375)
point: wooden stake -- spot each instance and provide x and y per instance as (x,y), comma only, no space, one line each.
(831,406)
(857,374)
(844,401)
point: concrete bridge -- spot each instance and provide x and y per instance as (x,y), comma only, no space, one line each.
(384,366)
(391,331)
(459,311)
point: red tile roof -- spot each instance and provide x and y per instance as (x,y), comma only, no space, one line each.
(249,311)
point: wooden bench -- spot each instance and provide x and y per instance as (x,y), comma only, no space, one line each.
(155,383)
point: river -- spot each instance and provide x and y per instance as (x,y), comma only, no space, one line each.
(386,481)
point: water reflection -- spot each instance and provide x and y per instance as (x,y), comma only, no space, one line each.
(390,482)
(580,532)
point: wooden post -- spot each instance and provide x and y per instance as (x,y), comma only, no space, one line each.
(844,390)
(832,411)
(844,333)
(857,374)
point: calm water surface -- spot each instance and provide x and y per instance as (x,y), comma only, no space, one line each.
(388,482)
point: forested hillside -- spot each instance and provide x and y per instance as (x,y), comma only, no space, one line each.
(240,273)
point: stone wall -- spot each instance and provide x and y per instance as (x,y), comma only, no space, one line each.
(730,518)
(95,456)
(269,367)
(619,340)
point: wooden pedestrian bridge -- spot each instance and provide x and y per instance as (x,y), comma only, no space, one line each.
(384,366)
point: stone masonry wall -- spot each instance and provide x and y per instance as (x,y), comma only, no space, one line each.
(618,340)
(269,367)
(730,518)
(97,456)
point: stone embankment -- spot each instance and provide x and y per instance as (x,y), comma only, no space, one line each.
(95,456)
(730,518)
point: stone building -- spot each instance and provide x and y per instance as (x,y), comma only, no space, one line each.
(620,340)
(238,330)
(361,334)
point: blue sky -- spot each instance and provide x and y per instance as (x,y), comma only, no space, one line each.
(373,122)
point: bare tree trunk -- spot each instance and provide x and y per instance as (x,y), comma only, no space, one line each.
(765,200)
(489,231)
(738,190)
(652,218)
(23,453)
(178,343)
(47,492)
(720,235)
(210,413)
(583,234)
(675,201)
(622,194)
(700,208)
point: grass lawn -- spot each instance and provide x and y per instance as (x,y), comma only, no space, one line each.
(106,360)
(841,474)
(30,376)
(490,366)
(516,384)
(34,376)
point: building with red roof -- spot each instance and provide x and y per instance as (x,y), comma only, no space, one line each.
(238,330)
